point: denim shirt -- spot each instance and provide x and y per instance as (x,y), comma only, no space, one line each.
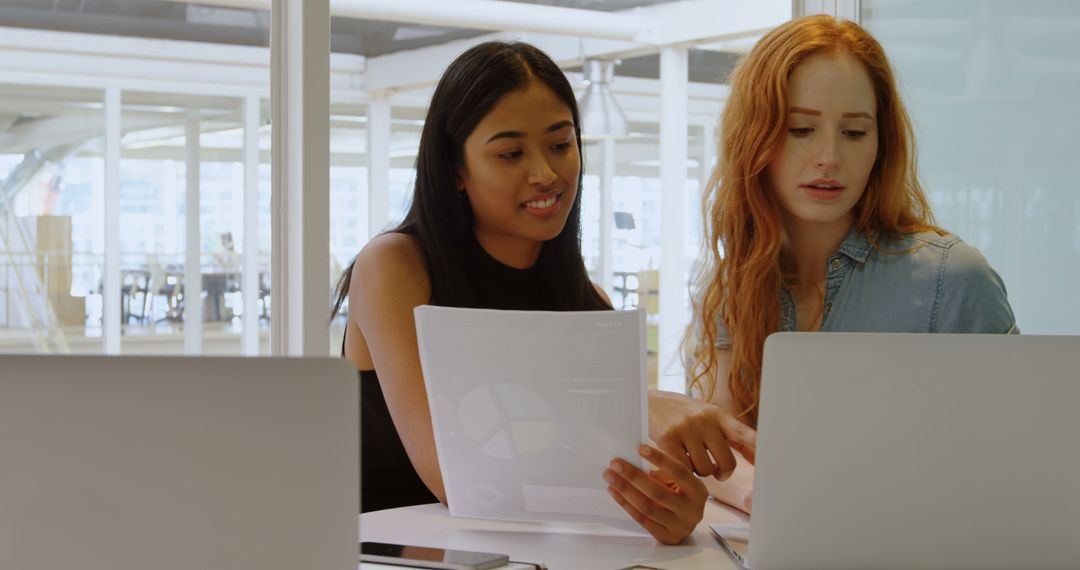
(918,283)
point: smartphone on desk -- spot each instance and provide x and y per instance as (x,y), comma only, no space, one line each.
(426,557)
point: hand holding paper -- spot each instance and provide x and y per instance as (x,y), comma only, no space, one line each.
(528,407)
(668,501)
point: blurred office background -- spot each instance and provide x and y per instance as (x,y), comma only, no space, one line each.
(120,117)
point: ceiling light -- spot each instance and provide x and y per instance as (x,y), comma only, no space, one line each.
(601,116)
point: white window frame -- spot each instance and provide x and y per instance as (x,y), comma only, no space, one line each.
(843,9)
(300,195)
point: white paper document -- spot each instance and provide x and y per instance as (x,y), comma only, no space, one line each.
(529,407)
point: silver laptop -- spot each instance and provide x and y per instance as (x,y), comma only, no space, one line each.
(918,451)
(167,463)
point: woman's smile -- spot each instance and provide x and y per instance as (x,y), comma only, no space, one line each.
(544,207)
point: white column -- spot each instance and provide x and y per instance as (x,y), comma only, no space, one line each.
(849,9)
(709,132)
(249,287)
(843,9)
(673,155)
(800,8)
(696,223)
(193,314)
(607,216)
(300,199)
(378,152)
(97,207)
(110,318)
(170,213)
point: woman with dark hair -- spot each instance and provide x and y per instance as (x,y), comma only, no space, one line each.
(495,222)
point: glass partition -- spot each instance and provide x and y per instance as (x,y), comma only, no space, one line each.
(991,89)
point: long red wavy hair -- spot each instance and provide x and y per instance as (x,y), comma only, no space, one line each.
(739,279)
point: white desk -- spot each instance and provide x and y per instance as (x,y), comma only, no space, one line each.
(555,545)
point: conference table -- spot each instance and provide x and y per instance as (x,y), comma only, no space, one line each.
(558,546)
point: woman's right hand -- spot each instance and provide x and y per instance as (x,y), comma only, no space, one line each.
(737,491)
(668,501)
(701,435)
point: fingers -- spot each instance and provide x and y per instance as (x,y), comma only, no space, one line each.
(721,452)
(703,442)
(704,451)
(668,503)
(649,497)
(658,531)
(700,458)
(672,444)
(740,436)
(666,463)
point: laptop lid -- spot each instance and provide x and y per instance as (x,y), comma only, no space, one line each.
(918,451)
(177,463)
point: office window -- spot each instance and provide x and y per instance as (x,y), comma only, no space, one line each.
(168,66)
(82,77)
(991,89)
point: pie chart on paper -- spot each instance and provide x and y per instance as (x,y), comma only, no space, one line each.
(507,421)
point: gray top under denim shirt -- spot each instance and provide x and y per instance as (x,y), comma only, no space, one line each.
(919,283)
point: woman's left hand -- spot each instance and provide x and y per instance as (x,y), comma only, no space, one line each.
(668,501)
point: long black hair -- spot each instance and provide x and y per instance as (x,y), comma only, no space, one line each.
(441,220)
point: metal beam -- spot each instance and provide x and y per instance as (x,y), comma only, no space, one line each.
(480,15)
(691,22)
(413,69)
(668,23)
(496,15)
(7,119)
(684,23)
(73,59)
(67,59)
(73,131)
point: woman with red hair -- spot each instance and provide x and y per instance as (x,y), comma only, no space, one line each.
(815,221)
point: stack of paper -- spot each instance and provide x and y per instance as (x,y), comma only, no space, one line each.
(529,407)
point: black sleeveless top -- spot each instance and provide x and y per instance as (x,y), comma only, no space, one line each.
(388,479)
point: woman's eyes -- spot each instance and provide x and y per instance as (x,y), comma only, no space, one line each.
(511,155)
(805,131)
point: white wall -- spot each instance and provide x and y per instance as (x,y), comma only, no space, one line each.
(992,87)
